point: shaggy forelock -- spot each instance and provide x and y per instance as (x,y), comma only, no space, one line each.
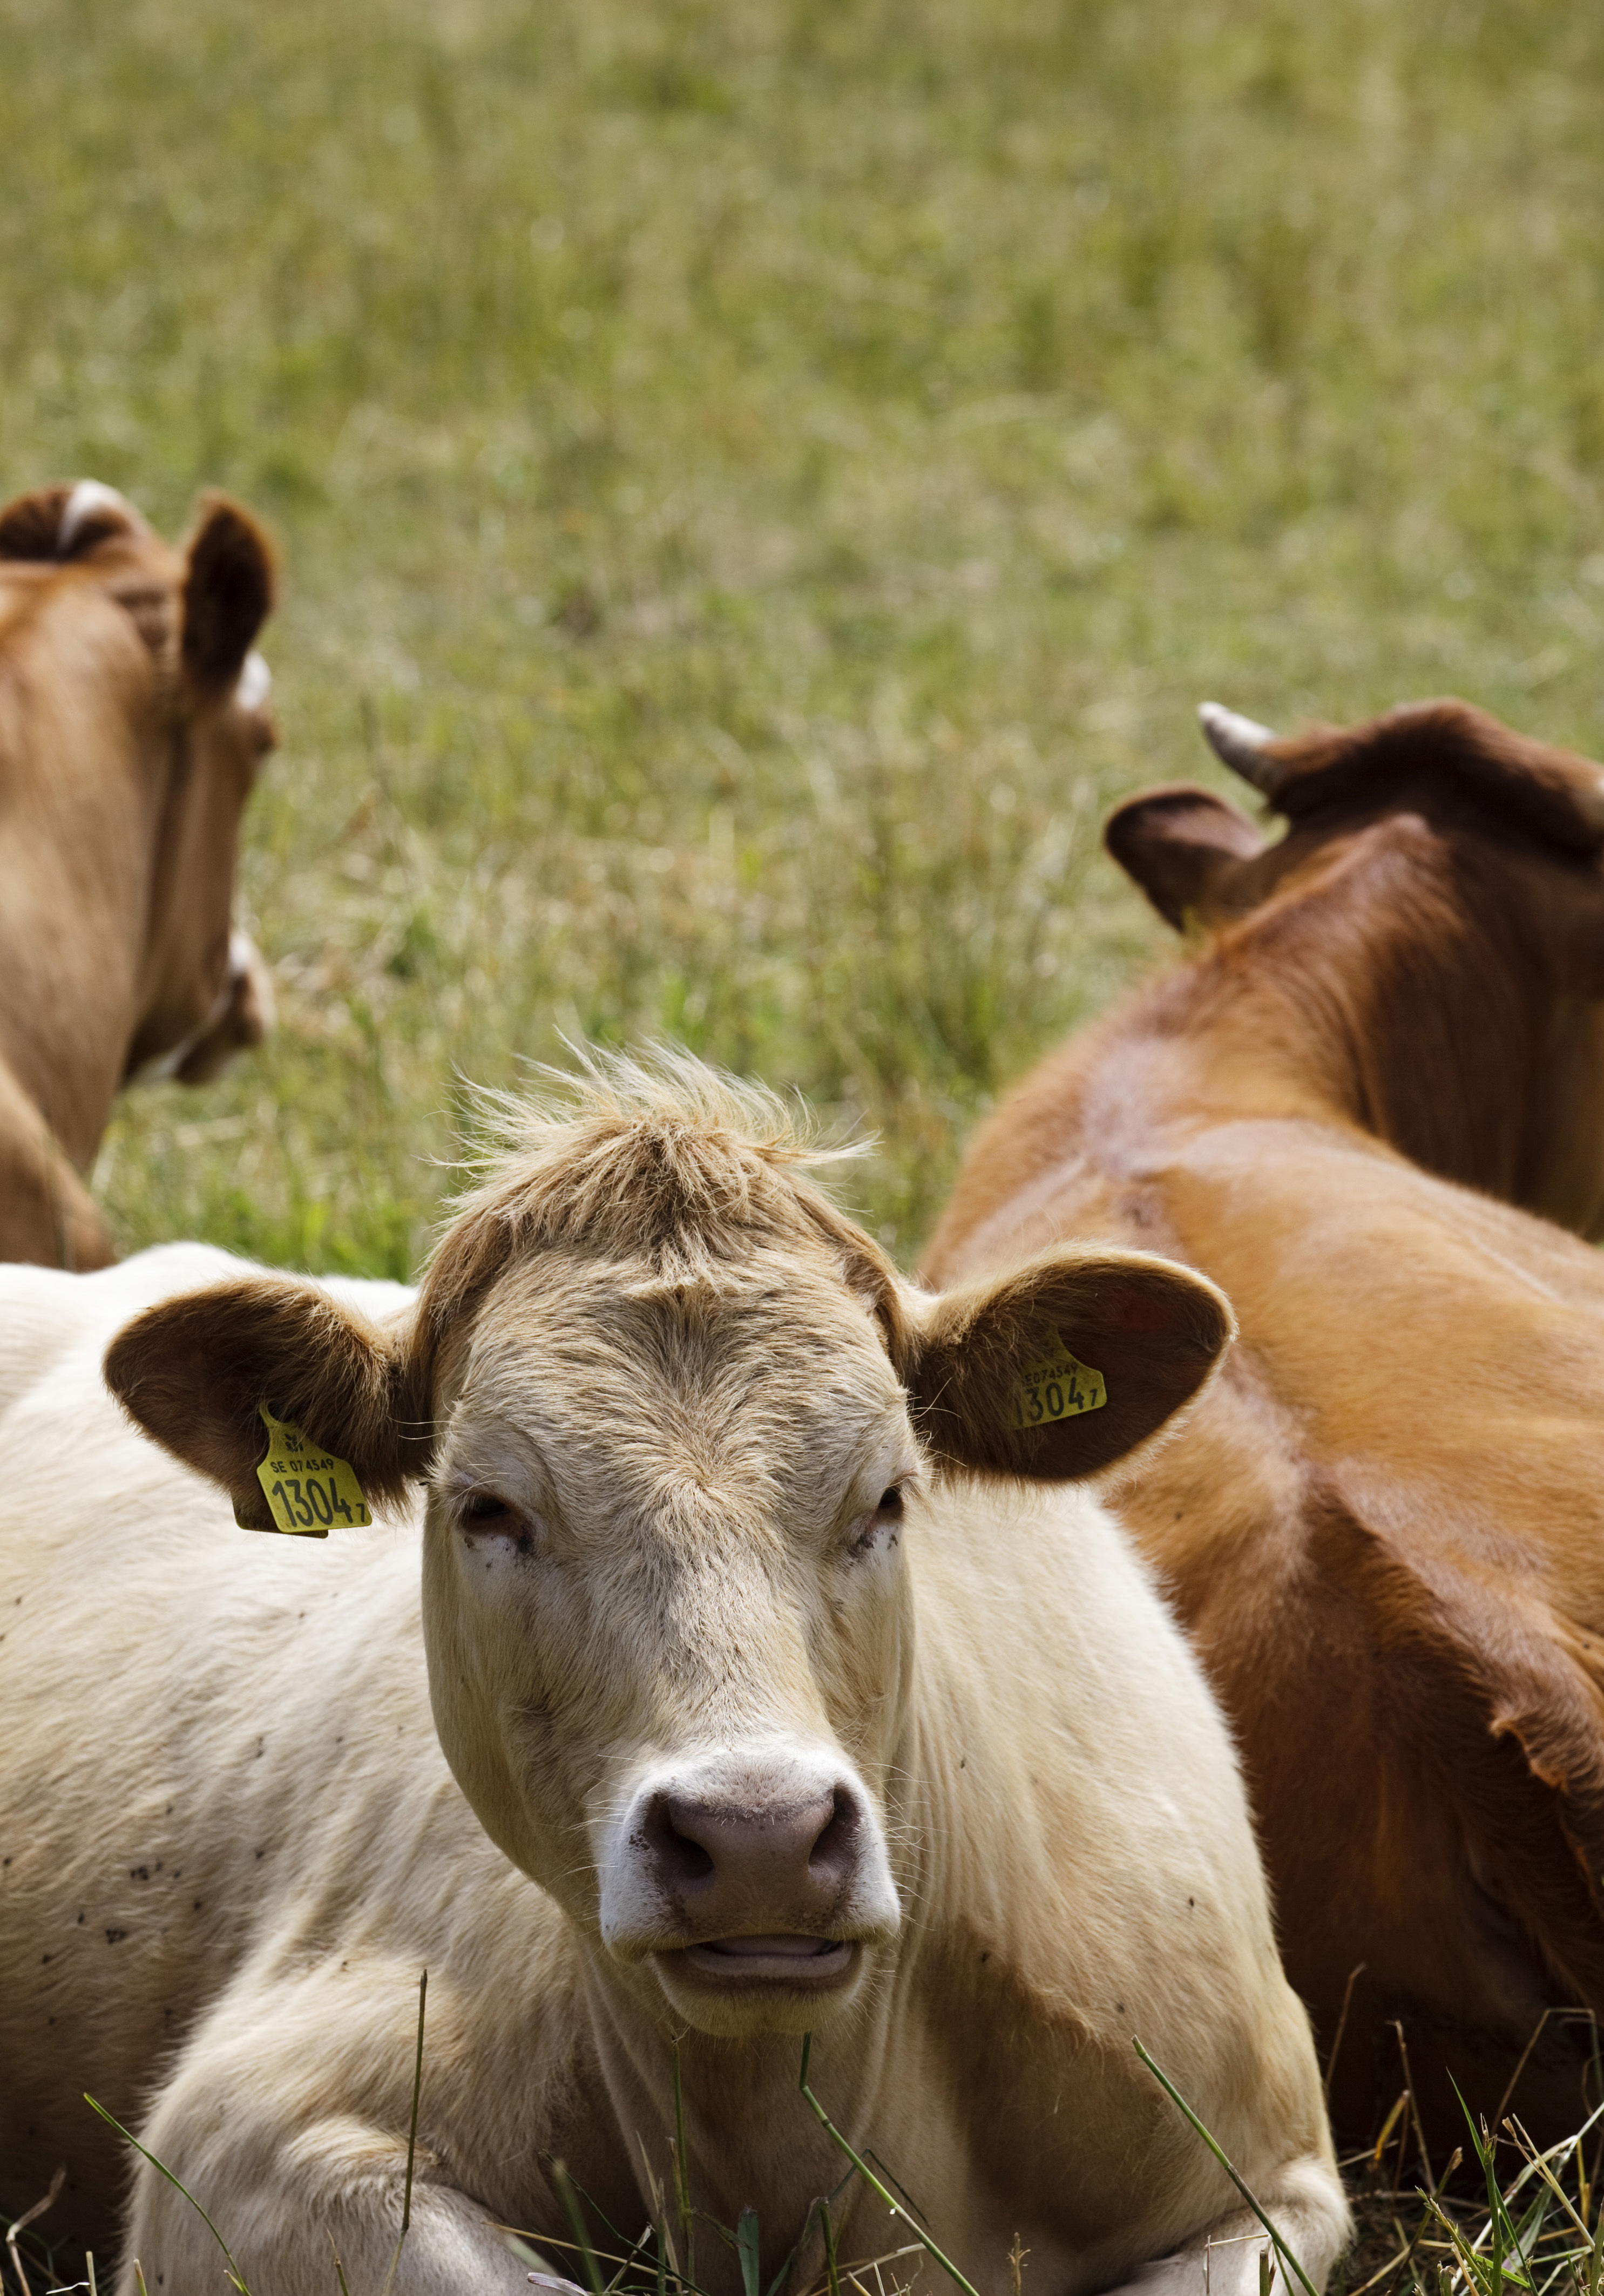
(660,1164)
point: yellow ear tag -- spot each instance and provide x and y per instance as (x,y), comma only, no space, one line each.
(308,1491)
(1056,1387)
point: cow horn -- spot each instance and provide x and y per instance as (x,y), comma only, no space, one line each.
(1589,804)
(1239,744)
(91,512)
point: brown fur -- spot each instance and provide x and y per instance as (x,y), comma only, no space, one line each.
(126,758)
(1385,1526)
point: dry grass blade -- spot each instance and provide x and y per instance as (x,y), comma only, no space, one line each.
(28,2216)
(1355,1974)
(1388,2126)
(1537,2033)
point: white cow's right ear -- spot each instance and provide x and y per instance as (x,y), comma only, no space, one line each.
(1064,1366)
(194,1371)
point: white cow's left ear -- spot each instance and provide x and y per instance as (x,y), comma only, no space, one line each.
(194,1372)
(228,586)
(1064,1366)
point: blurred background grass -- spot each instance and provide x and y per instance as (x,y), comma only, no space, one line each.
(757,477)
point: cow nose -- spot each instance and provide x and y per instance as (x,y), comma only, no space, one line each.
(727,1864)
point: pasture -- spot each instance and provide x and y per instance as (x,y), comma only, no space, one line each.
(756,480)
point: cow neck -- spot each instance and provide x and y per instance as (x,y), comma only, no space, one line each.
(750,2134)
(1399,999)
(749,2130)
(174,774)
(92,848)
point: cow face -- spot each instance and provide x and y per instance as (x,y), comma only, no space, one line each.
(197,713)
(205,992)
(665,1550)
(675,1464)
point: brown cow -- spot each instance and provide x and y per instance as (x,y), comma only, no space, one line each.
(133,720)
(1385,1528)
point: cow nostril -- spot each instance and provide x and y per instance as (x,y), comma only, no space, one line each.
(681,1859)
(838,1838)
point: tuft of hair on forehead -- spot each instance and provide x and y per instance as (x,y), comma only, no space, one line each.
(655,1162)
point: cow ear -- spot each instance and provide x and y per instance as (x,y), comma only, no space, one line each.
(194,1371)
(228,587)
(1185,848)
(1065,1365)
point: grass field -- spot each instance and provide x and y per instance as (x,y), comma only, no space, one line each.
(757,479)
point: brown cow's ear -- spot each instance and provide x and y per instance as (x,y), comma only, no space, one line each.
(1185,848)
(227,592)
(1067,1364)
(193,1372)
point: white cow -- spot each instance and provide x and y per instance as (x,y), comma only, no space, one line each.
(781,1680)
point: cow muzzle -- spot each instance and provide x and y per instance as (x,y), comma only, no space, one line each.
(240,1014)
(758,1888)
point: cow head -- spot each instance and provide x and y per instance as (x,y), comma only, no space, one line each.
(202,988)
(678,1421)
(1436,904)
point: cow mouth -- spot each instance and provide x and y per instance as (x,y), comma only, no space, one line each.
(800,1964)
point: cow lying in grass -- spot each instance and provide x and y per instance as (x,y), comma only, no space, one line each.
(693,1461)
(1385,1527)
(131,723)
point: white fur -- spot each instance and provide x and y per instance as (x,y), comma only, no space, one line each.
(256,681)
(234,1838)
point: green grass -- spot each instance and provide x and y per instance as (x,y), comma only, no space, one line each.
(757,477)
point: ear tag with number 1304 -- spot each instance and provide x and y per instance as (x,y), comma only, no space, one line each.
(308,1491)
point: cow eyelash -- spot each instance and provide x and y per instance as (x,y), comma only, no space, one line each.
(484,1506)
(887,1514)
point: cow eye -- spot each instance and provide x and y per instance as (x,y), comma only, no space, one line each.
(484,1506)
(879,1528)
